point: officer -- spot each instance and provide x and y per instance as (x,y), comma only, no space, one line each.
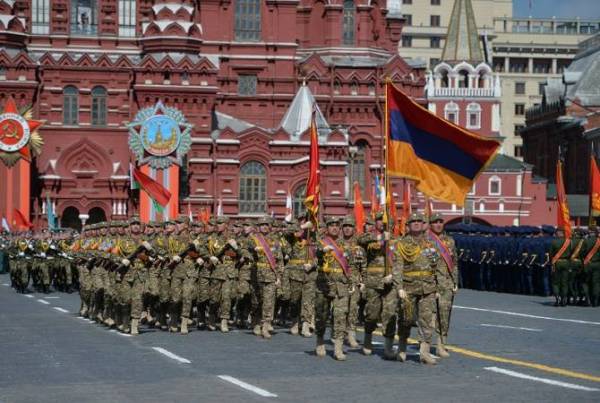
(418,259)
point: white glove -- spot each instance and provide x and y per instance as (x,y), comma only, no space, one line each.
(402,294)
(232,243)
(361,287)
(125,262)
(379,237)
(387,279)
(386,235)
(352,289)
(176,259)
(151,259)
(147,245)
(328,248)
(200,261)
(307,267)
(52,247)
(214,260)
(307,225)
(42,254)
(455,289)
(277,282)
(196,244)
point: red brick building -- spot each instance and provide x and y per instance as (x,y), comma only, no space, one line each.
(243,72)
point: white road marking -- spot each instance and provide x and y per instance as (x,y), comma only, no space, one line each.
(528,329)
(247,386)
(51,297)
(61,309)
(171,355)
(542,380)
(119,333)
(5,284)
(28,295)
(524,315)
(42,301)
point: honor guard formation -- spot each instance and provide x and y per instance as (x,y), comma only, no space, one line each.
(179,275)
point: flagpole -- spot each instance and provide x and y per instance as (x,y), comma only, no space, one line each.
(385,179)
(590,209)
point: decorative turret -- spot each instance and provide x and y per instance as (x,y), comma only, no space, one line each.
(174,27)
(12,28)
(462,39)
(297,118)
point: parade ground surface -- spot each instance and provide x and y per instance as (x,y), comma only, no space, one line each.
(503,348)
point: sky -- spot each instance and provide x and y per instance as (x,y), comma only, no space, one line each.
(557,8)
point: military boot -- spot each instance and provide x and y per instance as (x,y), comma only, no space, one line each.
(120,316)
(338,349)
(426,357)
(367,344)
(256,330)
(224,326)
(294,329)
(388,349)
(265,330)
(320,350)
(440,349)
(184,325)
(351,339)
(134,327)
(306,329)
(402,344)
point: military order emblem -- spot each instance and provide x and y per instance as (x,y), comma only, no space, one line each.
(160,136)
(18,134)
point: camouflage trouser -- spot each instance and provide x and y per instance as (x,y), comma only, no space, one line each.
(381,305)
(326,303)
(264,304)
(353,307)
(203,290)
(560,279)
(44,272)
(445,307)
(187,296)
(294,296)
(220,297)
(137,298)
(421,306)
(309,291)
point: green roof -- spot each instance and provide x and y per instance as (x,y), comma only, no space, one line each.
(505,163)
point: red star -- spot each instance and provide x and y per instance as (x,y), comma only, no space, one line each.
(11,107)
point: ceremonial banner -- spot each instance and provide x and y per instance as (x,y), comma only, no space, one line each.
(444,159)
(311,200)
(359,210)
(563,219)
(594,187)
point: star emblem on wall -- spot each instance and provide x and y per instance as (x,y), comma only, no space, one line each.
(18,134)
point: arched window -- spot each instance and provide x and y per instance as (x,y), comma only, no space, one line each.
(354,88)
(482,79)
(463,79)
(299,209)
(444,81)
(371,89)
(247,20)
(337,88)
(70,106)
(356,167)
(348,23)
(98,106)
(495,186)
(473,116)
(451,112)
(96,215)
(253,188)
(70,218)
(84,17)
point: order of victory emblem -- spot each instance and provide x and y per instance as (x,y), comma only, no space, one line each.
(160,136)
(18,134)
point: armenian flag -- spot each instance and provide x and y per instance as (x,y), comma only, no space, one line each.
(442,158)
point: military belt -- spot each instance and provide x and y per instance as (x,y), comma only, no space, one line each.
(297,261)
(418,273)
(331,270)
(375,269)
(261,265)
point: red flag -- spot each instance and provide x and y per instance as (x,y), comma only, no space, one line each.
(312,186)
(20,219)
(563,219)
(594,187)
(374,202)
(406,208)
(154,189)
(428,207)
(359,210)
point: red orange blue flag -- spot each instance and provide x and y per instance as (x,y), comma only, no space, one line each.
(442,158)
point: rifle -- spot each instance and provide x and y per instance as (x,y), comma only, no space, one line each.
(121,268)
(173,263)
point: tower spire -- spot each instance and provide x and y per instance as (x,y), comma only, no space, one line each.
(462,39)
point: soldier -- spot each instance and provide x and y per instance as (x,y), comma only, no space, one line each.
(224,255)
(591,263)
(381,280)
(334,286)
(246,276)
(418,258)
(299,270)
(183,276)
(358,258)
(447,279)
(166,248)
(267,257)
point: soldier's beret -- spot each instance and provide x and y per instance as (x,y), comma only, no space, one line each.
(222,219)
(212,222)
(169,222)
(197,224)
(238,224)
(332,220)
(182,219)
(369,221)
(134,220)
(436,217)
(378,216)
(348,222)
(264,220)
(416,217)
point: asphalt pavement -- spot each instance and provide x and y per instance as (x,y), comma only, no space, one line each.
(506,348)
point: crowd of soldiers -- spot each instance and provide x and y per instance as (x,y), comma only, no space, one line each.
(180,274)
(520,260)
